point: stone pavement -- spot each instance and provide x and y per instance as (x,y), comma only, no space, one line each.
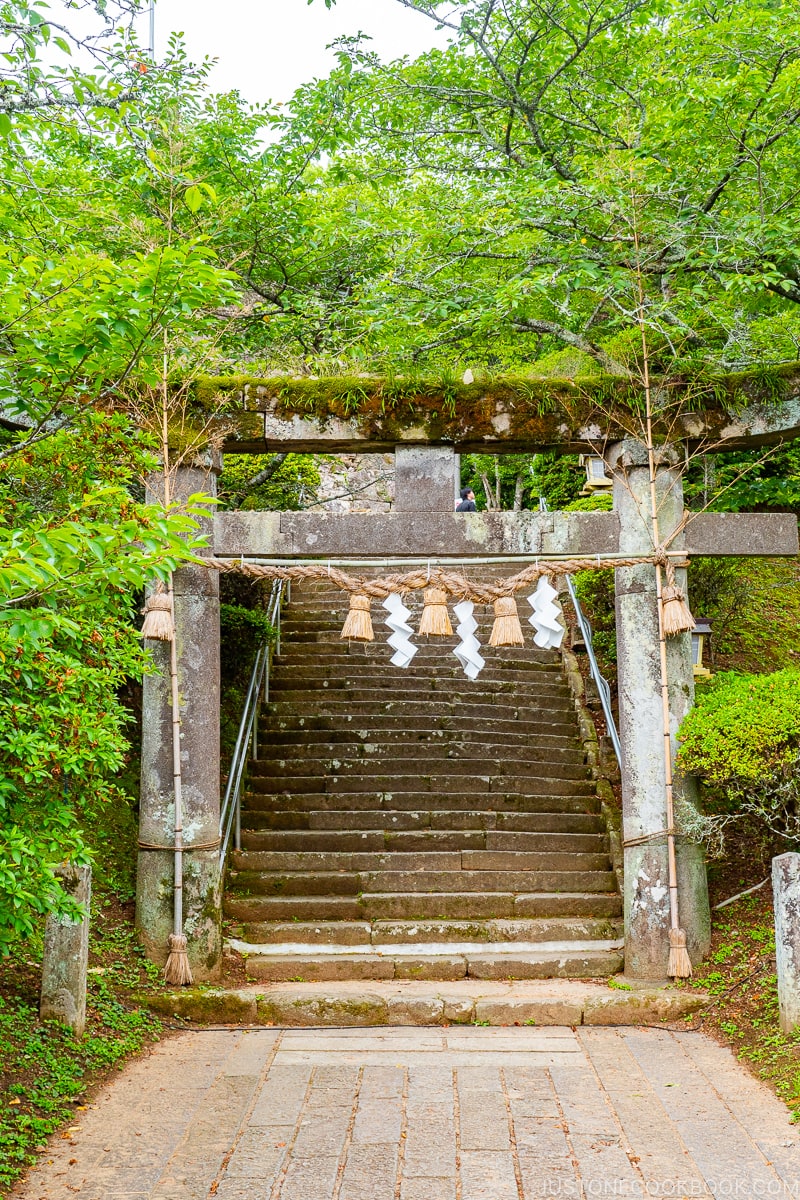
(426,1114)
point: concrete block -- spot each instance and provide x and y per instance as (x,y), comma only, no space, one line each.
(459,1010)
(649,1007)
(206,1006)
(742,533)
(300,1009)
(324,969)
(427,966)
(424,479)
(529,1012)
(66,955)
(786,892)
(424,1010)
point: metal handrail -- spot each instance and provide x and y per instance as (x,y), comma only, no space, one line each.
(247,737)
(603,689)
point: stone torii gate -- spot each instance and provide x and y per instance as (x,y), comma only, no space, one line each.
(274,416)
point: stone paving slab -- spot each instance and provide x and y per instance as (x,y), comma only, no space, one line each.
(427,1114)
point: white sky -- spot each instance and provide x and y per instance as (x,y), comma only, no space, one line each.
(267,48)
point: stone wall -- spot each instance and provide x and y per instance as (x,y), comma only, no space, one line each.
(356,483)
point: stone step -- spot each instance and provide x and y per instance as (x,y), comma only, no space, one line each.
(394,906)
(246,863)
(431,711)
(273,765)
(459,738)
(380,933)
(320,666)
(558,705)
(423,684)
(375,749)
(439,784)
(511,802)
(413,824)
(553,875)
(406,841)
(546,961)
(529,726)
(394,821)
(420,906)
(497,1003)
(330,645)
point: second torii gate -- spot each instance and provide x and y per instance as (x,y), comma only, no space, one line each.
(423,525)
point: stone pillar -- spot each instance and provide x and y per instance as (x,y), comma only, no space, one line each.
(424,479)
(197,645)
(786,895)
(641,729)
(66,956)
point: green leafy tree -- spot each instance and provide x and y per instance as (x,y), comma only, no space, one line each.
(75,549)
(500,481)
(268,481)
(575,152)
(95,286)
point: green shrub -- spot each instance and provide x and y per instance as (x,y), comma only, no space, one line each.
(754,608)
(742,739)
(242,631)
(598,502)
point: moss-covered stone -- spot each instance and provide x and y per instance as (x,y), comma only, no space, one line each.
(301,1009)
(205,1006)
(652,1007)
(521,410)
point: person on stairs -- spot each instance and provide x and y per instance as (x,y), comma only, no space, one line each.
(467,501)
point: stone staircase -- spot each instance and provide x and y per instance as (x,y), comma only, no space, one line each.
(411,824)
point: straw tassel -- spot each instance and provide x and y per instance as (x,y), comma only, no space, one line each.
(680,965)
(358,626)
(177,970)
(676,616)
(157,624)
(506,630)
(435,617)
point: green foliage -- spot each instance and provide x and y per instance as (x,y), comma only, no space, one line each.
(244,628)
(746,480)
(742,739)
(514,239)
(595,592)
(598,502)
(499,481)
(559,478)
(743,727)
(754,607)
(243,632)
(75,547)
(272,482)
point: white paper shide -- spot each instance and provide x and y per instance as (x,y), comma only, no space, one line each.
(546,618)
(468,650)
(399,639)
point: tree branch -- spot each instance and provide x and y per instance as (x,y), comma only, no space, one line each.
(609,365)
